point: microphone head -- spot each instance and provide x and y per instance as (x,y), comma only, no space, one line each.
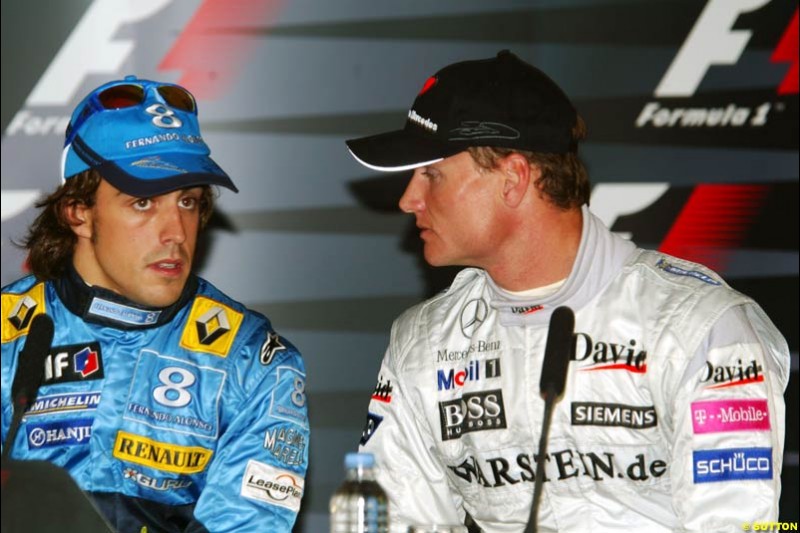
(557,353)
(31,360)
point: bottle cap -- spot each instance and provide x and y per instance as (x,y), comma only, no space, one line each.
(359,460)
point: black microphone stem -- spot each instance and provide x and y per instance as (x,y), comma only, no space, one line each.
(537,485)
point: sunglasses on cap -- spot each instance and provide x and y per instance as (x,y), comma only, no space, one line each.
(128,94)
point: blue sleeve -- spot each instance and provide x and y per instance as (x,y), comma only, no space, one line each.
(256,478)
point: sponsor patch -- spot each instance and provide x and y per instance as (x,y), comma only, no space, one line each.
(604,355)
(161,455)
(447,379)
(736,375)
(60,433)
(19,311)
(383,391)
(476,411)
(122,313)
(211,327)
(449,356)
(270,347)
(55,403)
(265,483)
(288,400)
(472,316)
(373,421)
(75,362)
(496,469)
(160,484)
(678,271)
(730,415)
(286,444)
(732,464)
(613,415)
(163,392)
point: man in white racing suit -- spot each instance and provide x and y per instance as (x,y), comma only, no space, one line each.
(673,414)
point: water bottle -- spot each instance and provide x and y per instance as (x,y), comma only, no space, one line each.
(359,505)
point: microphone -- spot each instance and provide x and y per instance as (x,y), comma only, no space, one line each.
(30,372)
(557,355)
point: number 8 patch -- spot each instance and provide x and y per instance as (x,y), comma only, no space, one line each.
(289,396)
(171,394)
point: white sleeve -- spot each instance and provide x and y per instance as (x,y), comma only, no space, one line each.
(728,424)
(408,468)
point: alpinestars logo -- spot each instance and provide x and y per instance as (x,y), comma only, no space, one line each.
(713,42)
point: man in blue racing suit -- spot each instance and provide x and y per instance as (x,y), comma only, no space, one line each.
(173,406)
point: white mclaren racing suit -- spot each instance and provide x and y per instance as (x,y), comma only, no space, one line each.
(672,418)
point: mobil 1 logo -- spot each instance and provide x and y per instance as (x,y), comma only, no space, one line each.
(477,411)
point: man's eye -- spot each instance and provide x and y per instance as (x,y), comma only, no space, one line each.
(142,204)
(189,202)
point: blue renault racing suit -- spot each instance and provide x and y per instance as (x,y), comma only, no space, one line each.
(186,418)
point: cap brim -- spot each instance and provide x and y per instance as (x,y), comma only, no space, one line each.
(400,150)
(157,174)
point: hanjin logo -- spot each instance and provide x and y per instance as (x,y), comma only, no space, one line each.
(478,411)
(472,316)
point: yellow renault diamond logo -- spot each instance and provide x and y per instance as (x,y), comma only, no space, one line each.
(19,310)
(211,327)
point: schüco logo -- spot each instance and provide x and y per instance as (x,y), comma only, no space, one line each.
(713,42)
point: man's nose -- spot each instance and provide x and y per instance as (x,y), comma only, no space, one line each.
(413,200)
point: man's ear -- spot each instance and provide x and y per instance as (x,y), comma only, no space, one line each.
(79,217)
(517,176)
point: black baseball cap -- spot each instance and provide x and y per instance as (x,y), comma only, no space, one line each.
(501,102)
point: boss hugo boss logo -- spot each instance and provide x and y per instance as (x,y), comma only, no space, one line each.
(561,465)
(613,415)
(472,316)
(75,362)
(730,415)
(725,376)
(732,464)
(477,411)
(447,379)
(604,355)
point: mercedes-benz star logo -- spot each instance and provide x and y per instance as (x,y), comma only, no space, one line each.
(472,316)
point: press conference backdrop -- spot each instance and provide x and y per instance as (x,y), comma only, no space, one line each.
(692,109)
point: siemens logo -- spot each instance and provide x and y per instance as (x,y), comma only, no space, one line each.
(613,415)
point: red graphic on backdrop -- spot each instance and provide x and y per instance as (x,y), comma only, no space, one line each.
(714,221)
(217,42)
(787,51)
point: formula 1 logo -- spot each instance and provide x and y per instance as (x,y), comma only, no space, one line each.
(713,42)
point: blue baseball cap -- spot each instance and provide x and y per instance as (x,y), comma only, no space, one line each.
(143,137)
